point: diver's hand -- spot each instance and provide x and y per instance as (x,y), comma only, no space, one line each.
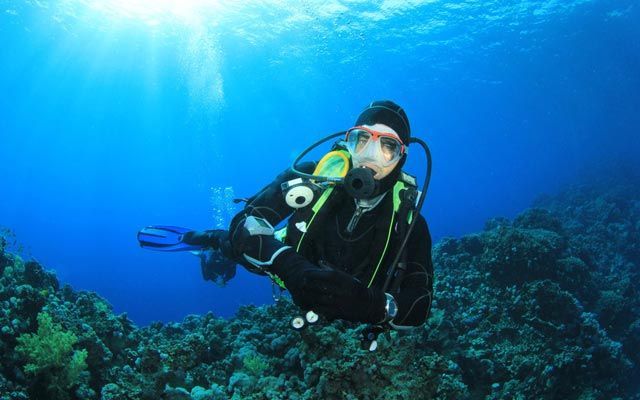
(338,295)
(255,243)
(329,292)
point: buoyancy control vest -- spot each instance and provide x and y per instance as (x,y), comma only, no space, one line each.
(305,223)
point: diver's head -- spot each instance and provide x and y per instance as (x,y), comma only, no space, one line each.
(378,147)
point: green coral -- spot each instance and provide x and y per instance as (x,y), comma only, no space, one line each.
(255,364)
(50,354)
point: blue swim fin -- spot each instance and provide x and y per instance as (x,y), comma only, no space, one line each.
(165,238)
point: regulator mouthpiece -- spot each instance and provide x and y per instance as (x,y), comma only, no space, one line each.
(360,184)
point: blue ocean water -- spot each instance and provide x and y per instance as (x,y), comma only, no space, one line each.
(119,114)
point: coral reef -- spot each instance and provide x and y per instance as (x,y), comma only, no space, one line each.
(545,306)
(51,357)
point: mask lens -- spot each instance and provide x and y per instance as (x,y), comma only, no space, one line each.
(358,140)
(390,148)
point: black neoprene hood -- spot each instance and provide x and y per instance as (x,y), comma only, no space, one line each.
(388,113)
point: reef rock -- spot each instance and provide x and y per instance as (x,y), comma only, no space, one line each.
(542,307)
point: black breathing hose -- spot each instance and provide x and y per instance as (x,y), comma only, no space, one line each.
(425,186)
(306,151)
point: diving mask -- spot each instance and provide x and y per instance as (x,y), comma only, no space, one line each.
(380,147)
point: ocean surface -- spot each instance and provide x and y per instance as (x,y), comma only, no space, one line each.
(119,114)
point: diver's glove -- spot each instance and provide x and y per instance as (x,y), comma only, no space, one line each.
(252,240)
(338,295)
(331,293)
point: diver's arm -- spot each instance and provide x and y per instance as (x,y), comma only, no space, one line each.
(258,251)
(268,203)
(416,291)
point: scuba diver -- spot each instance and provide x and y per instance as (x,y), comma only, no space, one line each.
(354,247)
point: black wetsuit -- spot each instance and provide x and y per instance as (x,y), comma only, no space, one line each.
(351,244)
